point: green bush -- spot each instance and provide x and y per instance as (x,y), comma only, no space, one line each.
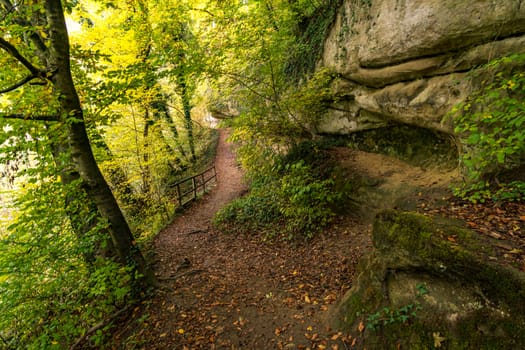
(305,202)
(256,212)
(295,199)
(490,124)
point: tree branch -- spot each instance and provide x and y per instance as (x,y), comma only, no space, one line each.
(100,325)
(33,35)
(44,118)
(18,84)
(4,44)
(203,10)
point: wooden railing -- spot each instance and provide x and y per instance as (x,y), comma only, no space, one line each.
(189,188)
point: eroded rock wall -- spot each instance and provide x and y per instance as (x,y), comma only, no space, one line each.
(405,61)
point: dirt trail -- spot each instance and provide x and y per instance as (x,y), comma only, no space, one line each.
(230,291)
(196,220)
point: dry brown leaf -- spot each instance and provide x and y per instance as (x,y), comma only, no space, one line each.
(361,327)
(336,336)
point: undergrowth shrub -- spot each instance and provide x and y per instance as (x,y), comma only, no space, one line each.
(49,294)
(294,200)
(305,201)
(491,126)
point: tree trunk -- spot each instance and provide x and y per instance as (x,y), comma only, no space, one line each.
(145,167)
(186,106)
(80,209)
(96,186)
(164,113)
(117,179)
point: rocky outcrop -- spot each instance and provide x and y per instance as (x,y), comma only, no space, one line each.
(431,283)
(405,61)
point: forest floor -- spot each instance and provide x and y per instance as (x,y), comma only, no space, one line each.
(231,291)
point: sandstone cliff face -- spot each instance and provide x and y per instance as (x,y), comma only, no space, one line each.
(405,61)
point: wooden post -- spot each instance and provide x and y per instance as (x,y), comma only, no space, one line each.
(178,195)
(194,188)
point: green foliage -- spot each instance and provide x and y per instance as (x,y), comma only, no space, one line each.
(49,295)
(313,23)
(491,126)
(387,316)
(306,202)
(293,198)
(257,212)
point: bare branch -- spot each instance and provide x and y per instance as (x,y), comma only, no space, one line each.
(4,44)
(203,10)
(44,118)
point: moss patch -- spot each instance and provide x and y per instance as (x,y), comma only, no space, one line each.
(415,145)
(472,303)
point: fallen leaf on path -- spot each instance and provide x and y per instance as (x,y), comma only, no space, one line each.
(361,327)
(336,336)
(438,339)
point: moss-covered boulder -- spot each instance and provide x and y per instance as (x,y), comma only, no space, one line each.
(431,283)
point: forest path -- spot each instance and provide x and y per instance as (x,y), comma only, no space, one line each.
(196,219)
(230,291)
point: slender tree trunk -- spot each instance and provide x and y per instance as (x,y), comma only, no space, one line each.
(186,106)
(116,177)
(165,114)
(96,186)
(146,171)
